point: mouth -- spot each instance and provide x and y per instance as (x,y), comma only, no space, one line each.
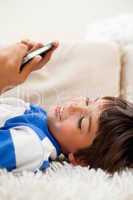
(59,112)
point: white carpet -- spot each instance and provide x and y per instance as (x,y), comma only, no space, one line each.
(66,183)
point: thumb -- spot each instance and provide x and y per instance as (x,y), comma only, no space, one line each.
(29,67)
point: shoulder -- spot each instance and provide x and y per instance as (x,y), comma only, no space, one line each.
(14,102)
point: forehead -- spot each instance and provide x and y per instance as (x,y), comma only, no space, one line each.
(85,99)
(87,104)
(96,102)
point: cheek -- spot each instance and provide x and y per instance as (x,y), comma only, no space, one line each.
(63,127)
(66,127)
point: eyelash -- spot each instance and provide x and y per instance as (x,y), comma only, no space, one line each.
(80,122)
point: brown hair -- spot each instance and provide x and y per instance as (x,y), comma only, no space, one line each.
(112,149)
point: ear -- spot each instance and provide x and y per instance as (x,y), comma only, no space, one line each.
(72,159)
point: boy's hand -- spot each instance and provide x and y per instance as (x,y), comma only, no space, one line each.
(10,61)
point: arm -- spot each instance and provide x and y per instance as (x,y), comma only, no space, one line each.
(11,107)
(20,149)
(10,61)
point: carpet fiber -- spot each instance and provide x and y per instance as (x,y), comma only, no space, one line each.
(65,182)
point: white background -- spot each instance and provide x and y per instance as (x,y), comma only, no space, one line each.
(54,19)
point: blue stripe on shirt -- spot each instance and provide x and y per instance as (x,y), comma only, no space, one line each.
(44,165)
(7,152)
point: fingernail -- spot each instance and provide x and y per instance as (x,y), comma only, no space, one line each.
(56,43)
(38,58)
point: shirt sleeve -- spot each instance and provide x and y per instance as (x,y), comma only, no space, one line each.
(28,149)
(11,107)
(21,149)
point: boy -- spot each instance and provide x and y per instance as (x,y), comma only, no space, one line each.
(98,133)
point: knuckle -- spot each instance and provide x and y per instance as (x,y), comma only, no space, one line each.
(23,46)
(25,40)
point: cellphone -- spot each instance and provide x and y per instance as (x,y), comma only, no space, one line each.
(41,51)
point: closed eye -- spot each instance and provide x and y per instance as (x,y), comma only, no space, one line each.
(80,122)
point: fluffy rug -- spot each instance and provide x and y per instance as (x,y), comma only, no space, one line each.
(65,182)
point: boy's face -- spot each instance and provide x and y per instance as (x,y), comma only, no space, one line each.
(74,125)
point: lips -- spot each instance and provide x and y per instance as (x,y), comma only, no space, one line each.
(58,112)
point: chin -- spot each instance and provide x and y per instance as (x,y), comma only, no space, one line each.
(50,118)
(51,113)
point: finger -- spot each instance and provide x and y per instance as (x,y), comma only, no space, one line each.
(46,57)
(36,46)
(28,42)
(44,60)
(22,50)
(29,67)
(55,44)
(32,45)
